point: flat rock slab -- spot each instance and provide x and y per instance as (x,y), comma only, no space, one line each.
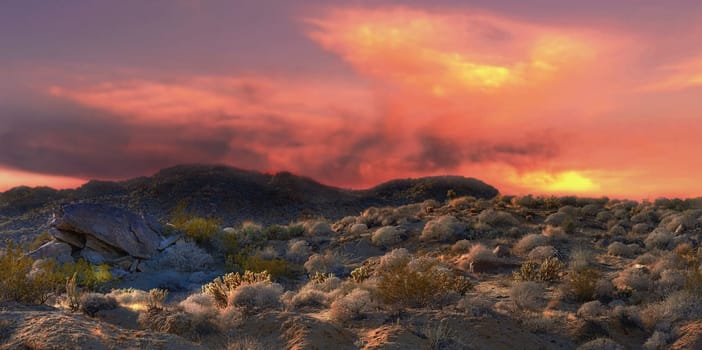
(118,229)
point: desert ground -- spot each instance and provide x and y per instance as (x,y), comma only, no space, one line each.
(453,272)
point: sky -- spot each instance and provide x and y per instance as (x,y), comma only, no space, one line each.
(546,97)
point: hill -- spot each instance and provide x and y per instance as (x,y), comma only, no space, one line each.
(232,194)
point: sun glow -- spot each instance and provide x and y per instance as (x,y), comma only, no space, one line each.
(560,182)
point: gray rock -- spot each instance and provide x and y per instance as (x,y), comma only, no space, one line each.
(71,238)
(59,251)
(169,241)
(116,228)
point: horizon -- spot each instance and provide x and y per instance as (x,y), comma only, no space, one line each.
(589,99)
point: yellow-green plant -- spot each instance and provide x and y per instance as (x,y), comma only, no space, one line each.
(360,274)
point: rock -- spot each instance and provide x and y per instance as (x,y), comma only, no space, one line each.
(117,229)
(501,251)
(169,241)
(57,250)
(71,238)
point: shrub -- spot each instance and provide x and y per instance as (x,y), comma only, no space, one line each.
(601,344)
(419,283)
(591,310)
(660,239)
(275,267)
(633,279)
(246,343)
(156,298)
(542,252)
(388,235)
(351,306)
(327,263)
(582,284)
(580,258)
(221,287)
(657,341)
(527,295)
(15,283)
(394,259)
(461,246)
(184,256)
(497,218)
(199,304)
(91,303)
(276,232)
(176,322)
(547,270)
(200,229)
(315,228)
(480,253)
(445,228)
(620,249)
(360,274)
(678,306)
(529,242)
(263,294)
(309,297)
(298,250)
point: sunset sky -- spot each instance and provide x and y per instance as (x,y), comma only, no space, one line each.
(543,96)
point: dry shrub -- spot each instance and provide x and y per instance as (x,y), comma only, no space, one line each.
(419,282)
(659,238)
(580,258)
(547,270)
(554,233)
(258,295)
(529,242)
(480,253)
(352,306)
(620,249)
(542,252)
(461,246)
(633,279)
(222,287)
(677,307)
(324,263)
(497,218)
(527,295)
(388,235)
(308,297)
(315,228)
(442,229)
(156,298)
(134,299)
(92,303)
(601,344)
(591,310)
(184,256)
(176,322)
(394,259)
(246,343)
(582,284)
(298,250)
(657,341)
(200,305)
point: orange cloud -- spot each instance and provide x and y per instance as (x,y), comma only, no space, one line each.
(679,76)
(10,178)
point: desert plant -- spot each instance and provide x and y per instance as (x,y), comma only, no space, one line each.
(387,236)
(351,306)
(529,242)
(527,295)
(325,263)
(72,293)
(276,267)
(547,270)
(438,335)
(360,274)
(256,295)
(184,256)
(419,283)
(443,229)
(581,284)
(200,229)
(156,298)
(91,303)
(221,287)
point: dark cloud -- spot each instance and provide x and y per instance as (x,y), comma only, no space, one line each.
(439,153)
(65,139)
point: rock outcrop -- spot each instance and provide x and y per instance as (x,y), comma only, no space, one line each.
(100,234)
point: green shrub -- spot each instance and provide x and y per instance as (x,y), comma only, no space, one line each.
(275,267)
(419,284)
(40,240)
(200,229)
(221,287)
(547,270)
(276,232)
(296,230)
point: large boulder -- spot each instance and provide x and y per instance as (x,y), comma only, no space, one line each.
(105,231)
